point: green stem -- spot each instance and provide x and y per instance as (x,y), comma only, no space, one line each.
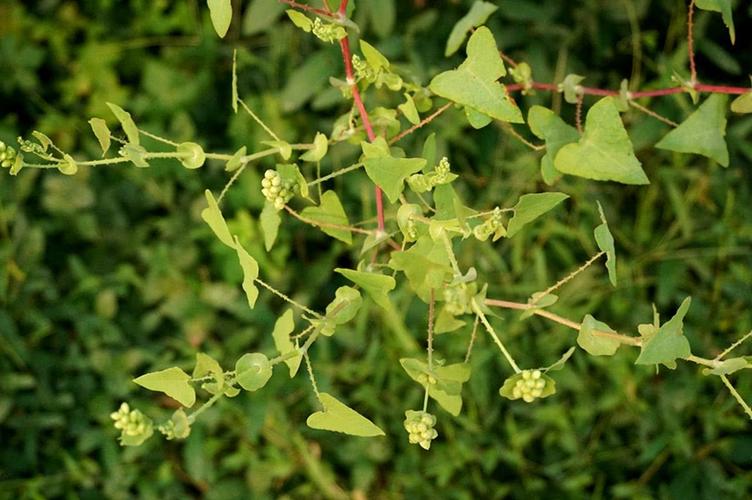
(737,396)
(336,173)
(495,337)
(193,416)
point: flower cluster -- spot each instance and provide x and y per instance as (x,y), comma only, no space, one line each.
(420,428)
(491,226)
(134,426)
(328,32)
(7,155)
(376,75)
(274,189)
(420,183)
(530,386)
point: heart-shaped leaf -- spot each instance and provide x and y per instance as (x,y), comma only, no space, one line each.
(171,381)
(377,286)
(386,171)
(339,417)
(548,126)
(604,153)
(474,83)
(702,132)
(330,212)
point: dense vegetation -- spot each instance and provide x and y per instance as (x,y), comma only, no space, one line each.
(111,273)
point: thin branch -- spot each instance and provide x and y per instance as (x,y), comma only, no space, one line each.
(308,8)
(652,113)
(734,345)
(423,123)
(691,43)
(737,396)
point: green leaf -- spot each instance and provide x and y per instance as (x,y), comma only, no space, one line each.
(386,171)
(284,148)
(474,83)
(283,327)
(135,154)
(375,58)
(195,155)
(476,119)
(444,383)
(594,344)
(261,16)
(425,264)
(605,242)
(343,308)
(18,164)
(604,153)
(571,88)
(102,133)
(338,417)
(724,7)
(221,15)
(530,207)
(270,221)
(727,367)
(548,126)
(250,273)
(126,121)
(320,147)
(69,166)
(181,427)
(409,110)
(212,215)
(205,366)
(300,20)
(253,371)
(235,162)
(43,140)
(330,211)
(172,381)
(667,343)
(377,286)
(538,301)
(702,132)
(742,104)
(478,14)
(446,322)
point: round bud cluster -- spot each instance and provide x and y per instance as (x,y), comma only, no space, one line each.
(131,422)
(7,155)
(275,189)
(363,71)
(530,386)
(441,172)
(328,32)
(426,379)
(458,298)
(489,226)
(420,428)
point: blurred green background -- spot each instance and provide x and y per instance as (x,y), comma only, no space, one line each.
(109,274)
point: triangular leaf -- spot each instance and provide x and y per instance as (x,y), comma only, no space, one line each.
(212,215)
(171,381)
(283,327)
(604,153)
(668,343)
(270,221)
(338,417)
(220,12)
(702,132)
(330,211)
(250,273)
(594,344)
(126,121)
(474,83)
(728,366)
(478,14)
(530,207)
(386,171)
(724,7)
(377,286)
(548,126)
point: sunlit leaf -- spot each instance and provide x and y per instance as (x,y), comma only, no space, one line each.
(530,207)
(377,286)
(220,12)
(126,121)
(172,381)
(478,14)
(102,133)
(212,215)
(338,417)
(253,371)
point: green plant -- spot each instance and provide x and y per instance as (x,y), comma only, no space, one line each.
(424,232)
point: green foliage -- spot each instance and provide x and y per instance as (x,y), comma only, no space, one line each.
(531,206)
(665,343)
(474,83)
(339,417)
(724,7)
(110,272)
(702,132)
(604,153)
(173,382)
(476,16)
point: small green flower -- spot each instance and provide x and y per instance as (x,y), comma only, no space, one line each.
(328,32)
(7,155)
(491,226)
(134,426)
(276,190)
(420,428)
(458,298)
